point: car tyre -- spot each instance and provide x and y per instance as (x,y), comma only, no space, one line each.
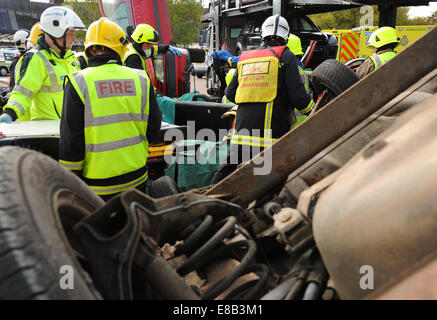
(40,202)
(331,78)
(3,72)
(162,187)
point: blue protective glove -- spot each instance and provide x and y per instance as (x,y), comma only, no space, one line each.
(233,61)
(223,55)
(175,51)
(5,118)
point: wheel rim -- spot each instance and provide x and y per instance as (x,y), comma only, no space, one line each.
(324,98)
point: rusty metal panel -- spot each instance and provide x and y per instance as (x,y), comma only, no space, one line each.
(333,121)
(417,284)
(380,213)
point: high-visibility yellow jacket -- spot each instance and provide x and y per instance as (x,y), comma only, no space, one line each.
(39,89)
(132,51)
(116,112)
(382,58)
(374,62)
(269,86)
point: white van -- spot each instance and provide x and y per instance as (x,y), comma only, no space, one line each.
(6,57)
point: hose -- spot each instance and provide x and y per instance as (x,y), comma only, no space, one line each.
(312,292)
(214,248)
(167,283)
(297,286)
(227,226)
(225,283)
(280,291)
(195,237)
(250,290)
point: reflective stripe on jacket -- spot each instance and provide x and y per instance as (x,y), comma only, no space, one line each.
(116,101)
(132,51)
(39,89)
(382,58)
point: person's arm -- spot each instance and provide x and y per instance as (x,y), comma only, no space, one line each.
(72,136)
(12,73)
(155,117)
(231,89)
(134,61)
(31,77)
(366,67)
(161,48)
(293,84)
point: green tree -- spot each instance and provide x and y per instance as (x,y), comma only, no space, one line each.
(432,19)
(185,20)
(87,10)
(402,18)
(345,19)
(351,18)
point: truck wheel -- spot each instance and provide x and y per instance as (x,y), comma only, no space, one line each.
(3,71)
(162,187)
(40,202)
(334,77)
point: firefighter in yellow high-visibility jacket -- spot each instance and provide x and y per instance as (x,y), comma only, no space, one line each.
(383,41)
(38,89)
(110,115)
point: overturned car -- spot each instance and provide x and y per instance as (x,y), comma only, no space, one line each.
(347,211)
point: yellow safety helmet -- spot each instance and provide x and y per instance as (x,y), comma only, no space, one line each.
(294,45)
(145,33)
(34,34)
(382,37)
(229,76)
(106,33)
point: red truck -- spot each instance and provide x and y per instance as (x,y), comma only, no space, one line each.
(168,72)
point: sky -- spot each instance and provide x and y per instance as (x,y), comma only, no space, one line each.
(422,11)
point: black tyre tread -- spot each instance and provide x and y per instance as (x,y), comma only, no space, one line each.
(25,267)
(11,263)
(162,187)
(334,75)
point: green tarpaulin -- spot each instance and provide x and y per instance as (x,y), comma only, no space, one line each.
(196,162)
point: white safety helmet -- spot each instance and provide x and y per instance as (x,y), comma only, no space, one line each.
(275,26)
(56,20)
(20,38)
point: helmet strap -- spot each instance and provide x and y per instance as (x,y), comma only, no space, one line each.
(63,48)
(139,48)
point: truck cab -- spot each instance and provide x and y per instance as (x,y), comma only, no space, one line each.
(236,27)
(169,73)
